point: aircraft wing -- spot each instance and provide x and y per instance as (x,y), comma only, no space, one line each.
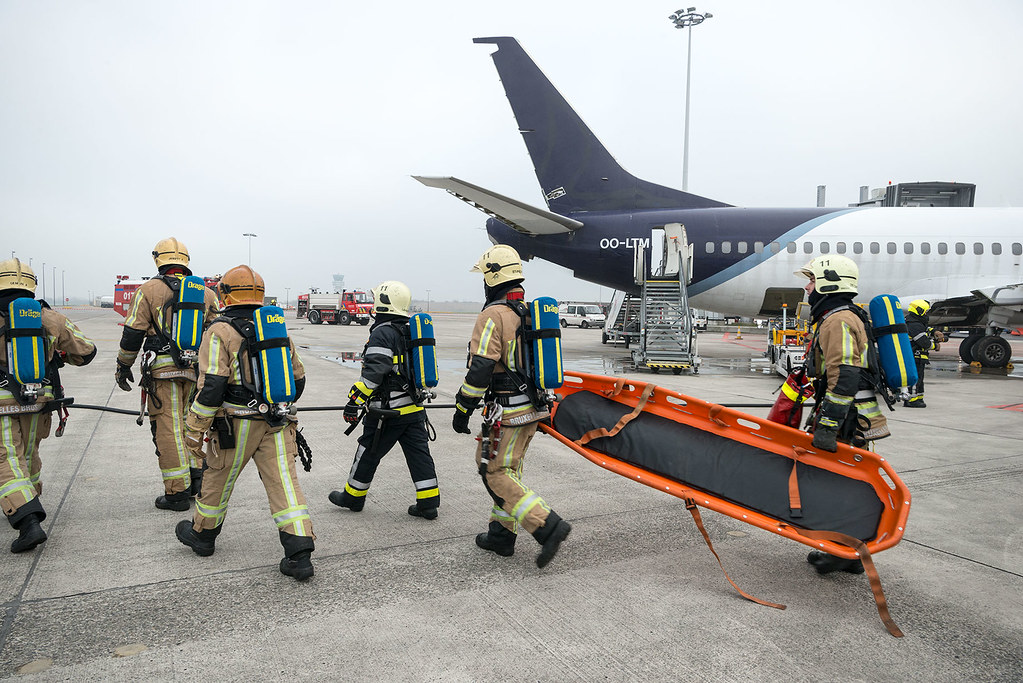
(524,218)
(1000,305)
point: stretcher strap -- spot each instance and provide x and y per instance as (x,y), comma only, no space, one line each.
(795,505)
(695,512)
(601,432)
(868,566)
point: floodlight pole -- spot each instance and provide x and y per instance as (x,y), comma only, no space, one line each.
(688,18)
(250,235)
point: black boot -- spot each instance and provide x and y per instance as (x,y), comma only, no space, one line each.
(346,500)
(173,501)
(196,487)
(825,563)
(497,540)
(296,562)
(30,533)
(425,513)
(550,535)
(201,542)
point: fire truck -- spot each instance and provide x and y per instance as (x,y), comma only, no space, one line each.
(340,308)
(125,287)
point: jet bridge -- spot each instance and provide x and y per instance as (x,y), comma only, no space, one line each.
(659,321)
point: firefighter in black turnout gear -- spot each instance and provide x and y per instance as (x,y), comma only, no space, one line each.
(386,384)
(512,412)
(924,339)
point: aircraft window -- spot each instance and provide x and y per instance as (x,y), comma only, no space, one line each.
(857,247)
(875,248)
(825,247)
(807,247)
(978,248)
(726,247)
(710,247)
(775,248)
(996,248)
(758,247)
(840,247)
(960,248)
(908,247)
(1017,248)
(892,248)
(791,247)
(925,247)
(743,247)
(942,248)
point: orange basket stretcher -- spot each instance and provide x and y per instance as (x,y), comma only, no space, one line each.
(850,503)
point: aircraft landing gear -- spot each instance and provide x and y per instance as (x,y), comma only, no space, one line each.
(992,351)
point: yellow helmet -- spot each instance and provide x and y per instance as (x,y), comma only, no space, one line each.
(919,307)
(241,286)
(832,274)
(170,252)
(499,264)
(17,275)
(392,297)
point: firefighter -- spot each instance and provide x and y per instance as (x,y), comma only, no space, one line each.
(923,340)
(229,401)
(847,408)
(168,382)
(386,383)
(495,360)
(26,413)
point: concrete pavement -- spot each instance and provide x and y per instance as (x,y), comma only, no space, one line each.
(634,593)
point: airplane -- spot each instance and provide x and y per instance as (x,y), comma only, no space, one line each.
(968,262)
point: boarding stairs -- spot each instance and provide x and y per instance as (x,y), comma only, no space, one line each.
(667,334)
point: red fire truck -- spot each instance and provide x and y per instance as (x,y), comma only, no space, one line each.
(340,308)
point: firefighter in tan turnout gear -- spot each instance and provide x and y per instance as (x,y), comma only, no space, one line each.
(494,377)
(839,358)
(26,410)
(242,427)
(167,379)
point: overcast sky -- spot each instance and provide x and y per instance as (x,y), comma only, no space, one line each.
(122,123)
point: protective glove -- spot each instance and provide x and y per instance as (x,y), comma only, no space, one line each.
(460,422)
(351,413)
(825,439)
(123,377)
(194,442)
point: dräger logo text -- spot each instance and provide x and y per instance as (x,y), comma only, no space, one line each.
(195,285)
(275,319)
(22,313)
(547,308)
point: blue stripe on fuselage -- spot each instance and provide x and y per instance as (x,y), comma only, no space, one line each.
(753,260)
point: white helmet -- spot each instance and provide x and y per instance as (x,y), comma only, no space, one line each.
(499,264)
(392,297)
(832,274)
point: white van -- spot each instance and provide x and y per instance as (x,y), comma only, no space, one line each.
(583,315)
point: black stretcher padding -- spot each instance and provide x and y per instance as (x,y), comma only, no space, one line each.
(743,474)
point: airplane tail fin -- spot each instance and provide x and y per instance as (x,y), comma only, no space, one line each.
(575,171)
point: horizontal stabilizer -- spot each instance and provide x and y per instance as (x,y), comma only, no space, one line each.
(524,218)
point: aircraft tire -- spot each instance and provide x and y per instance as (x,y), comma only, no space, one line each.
(992,351)
(966,347)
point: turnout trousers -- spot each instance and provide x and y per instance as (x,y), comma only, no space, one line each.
(20,465)
(274,451)
(378,438)
(515,504)
(168,403)
(917,391)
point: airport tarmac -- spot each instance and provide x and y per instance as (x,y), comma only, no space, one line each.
(634,593)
